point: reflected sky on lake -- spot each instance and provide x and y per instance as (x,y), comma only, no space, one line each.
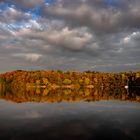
(70,120)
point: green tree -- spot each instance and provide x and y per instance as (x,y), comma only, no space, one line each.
(87,81)
(67,81)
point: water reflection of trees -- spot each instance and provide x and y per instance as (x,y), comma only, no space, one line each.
(67,94)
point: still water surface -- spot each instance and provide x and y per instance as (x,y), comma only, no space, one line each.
(104,119)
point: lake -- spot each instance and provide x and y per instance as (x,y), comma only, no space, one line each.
(69,115)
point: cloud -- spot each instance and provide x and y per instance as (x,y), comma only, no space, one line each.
(102,18)
(69,39)
(11,14)
(29,3)
(83,34)
(33,57)
(132,37)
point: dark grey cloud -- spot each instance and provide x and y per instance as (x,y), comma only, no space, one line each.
(1,0)
(83,34)
(99,18)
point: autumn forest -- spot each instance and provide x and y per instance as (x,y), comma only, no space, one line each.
(55,86)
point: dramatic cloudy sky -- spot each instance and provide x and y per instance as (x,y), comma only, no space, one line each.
(81,35)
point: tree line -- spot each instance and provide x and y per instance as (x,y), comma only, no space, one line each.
(47,79)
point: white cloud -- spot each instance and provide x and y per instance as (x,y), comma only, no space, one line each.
(131,38)
(33,57)
(34,24)
(11,14)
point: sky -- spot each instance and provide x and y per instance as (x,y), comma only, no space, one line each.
(100,35)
